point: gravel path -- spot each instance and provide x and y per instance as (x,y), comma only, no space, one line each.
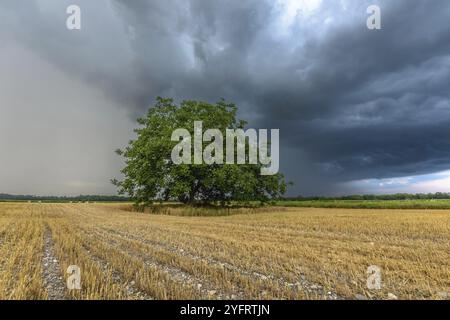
(53,280)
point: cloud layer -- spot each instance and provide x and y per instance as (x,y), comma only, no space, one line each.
(351,103)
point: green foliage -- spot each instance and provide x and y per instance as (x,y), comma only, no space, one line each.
(150,174)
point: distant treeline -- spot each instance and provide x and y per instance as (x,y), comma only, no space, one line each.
(83,198)
(99,198)
(397,196)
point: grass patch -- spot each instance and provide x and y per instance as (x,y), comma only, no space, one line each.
(369,204)
(198,211)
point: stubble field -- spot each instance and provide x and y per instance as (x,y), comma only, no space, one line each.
(278,253)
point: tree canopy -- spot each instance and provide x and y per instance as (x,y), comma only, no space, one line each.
(150,174)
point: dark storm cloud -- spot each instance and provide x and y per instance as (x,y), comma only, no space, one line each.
(351,103)
(376,104)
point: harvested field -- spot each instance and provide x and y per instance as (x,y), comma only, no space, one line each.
(282,253)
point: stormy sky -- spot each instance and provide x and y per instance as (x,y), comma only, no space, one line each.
(359,110)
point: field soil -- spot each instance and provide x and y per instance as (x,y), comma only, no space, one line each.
(277,253)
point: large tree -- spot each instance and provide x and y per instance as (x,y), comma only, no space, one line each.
(150,174)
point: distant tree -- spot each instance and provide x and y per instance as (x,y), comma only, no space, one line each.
(150,174)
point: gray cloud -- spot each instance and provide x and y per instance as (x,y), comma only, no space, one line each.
(351,103)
